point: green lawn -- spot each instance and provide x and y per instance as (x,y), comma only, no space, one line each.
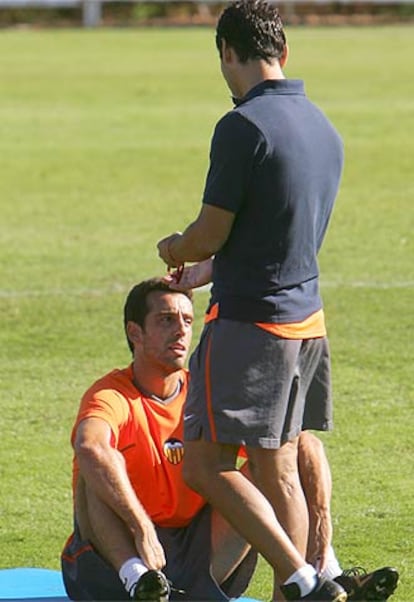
(104,139)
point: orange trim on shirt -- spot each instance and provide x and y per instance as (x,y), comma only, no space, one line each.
(208,392)
(212,314)
(311,328)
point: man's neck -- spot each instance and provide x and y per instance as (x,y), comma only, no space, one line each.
(255,72)
(156,385)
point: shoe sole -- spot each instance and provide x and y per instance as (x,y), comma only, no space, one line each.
(342,597)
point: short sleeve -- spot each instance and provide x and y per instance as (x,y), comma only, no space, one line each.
(107,404)
(235,147)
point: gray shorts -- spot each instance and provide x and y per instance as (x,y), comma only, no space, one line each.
(87,576)
(250,387)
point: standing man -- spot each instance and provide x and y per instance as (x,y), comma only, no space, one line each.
(261,372)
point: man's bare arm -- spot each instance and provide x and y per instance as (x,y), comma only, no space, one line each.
(103,470)
(200,240)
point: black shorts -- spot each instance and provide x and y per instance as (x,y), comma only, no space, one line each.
(87,576)
(250,387)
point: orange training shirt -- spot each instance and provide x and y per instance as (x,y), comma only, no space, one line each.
(149,434)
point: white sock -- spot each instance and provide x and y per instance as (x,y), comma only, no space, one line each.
(305,578)
(130,572)
(333,568)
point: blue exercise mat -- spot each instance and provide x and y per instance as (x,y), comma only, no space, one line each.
(32,584)
(39,585)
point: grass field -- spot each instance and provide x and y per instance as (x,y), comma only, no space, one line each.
(104,139)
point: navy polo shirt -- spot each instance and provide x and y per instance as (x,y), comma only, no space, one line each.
(275,162)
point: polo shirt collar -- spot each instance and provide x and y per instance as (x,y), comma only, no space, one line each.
(273,86)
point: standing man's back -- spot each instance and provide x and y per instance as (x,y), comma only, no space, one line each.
(276,162)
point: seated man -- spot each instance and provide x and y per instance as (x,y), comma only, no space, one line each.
(133,514)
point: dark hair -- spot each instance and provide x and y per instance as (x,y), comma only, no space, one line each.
(253,28)
(136,306)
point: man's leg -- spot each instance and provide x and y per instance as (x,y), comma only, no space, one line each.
(88,573)
(315,475)
(210,469)
(275,472)
(103,528)
(112,540)
(228,548)
(316,480)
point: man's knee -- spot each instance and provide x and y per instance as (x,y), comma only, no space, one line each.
(204,460)
(310,450)
(275,468)
(308,440)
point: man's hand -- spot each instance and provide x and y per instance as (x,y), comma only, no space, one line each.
(165,253)
(190,277)
(149,548)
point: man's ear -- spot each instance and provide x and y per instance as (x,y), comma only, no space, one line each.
(284,58)
(227,52)
(134,333)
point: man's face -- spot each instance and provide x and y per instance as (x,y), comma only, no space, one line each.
(164,341)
